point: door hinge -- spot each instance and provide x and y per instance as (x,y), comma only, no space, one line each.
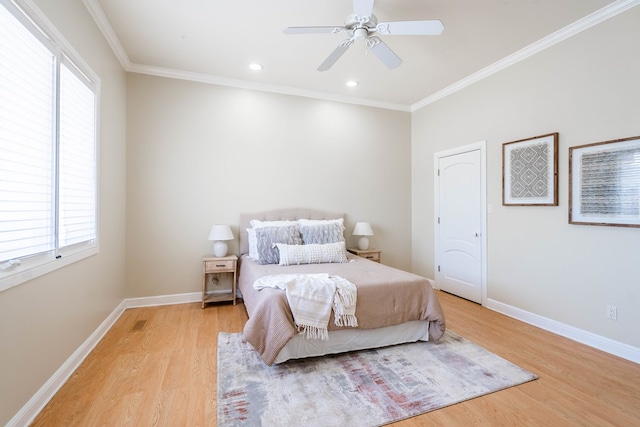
(438,269)
(438,172)
(438,220)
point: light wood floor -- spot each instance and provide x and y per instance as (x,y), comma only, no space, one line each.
(165,374)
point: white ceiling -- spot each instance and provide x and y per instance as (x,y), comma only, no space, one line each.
(215,40)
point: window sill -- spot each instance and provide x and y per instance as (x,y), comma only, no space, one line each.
(44,264)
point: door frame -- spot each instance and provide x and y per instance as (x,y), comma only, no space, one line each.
(482,146)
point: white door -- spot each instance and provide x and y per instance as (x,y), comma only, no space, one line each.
(460,223)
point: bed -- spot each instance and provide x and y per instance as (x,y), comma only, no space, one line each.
(393,306)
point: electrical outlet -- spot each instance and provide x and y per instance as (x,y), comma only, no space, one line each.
(612,312)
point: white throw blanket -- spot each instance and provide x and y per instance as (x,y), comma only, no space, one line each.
(311,297)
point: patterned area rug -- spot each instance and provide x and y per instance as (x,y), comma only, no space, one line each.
(363,388)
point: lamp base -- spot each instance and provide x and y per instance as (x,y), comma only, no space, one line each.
(220,248)
(363,243)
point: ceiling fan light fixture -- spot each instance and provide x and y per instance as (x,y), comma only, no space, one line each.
(255,66)
(362,24)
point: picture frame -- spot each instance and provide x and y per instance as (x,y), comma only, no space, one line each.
(530,171)
(604,183)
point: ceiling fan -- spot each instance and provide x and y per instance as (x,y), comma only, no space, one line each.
(363,25)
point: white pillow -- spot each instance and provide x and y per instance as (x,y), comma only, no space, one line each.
(251,234)
(253,243)
(312,254)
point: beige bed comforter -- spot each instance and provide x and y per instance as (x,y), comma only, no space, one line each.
(386,297)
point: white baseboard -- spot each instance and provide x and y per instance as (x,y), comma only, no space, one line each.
(163,300)
(32,408)
(607,345)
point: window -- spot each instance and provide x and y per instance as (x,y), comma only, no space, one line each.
(48,198)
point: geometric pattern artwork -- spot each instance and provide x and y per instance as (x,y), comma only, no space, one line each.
(530,171)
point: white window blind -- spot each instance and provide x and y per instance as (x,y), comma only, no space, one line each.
(26,141)
(77,160)
(47,145)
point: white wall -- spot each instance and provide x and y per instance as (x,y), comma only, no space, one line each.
(586,88)
(42,322)
(200,154)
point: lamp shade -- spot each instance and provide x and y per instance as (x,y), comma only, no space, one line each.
(362,229)
(219,233)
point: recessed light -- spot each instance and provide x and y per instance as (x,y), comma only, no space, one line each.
(255,66)
(352,83)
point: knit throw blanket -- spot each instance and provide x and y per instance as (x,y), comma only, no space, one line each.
(311,298)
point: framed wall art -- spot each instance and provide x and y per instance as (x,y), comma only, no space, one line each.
(604,183)
(530,171)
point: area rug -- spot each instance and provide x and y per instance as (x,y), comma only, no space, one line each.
(362,388)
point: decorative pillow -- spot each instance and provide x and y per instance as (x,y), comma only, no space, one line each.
(251,233)
(312,254)
(322,231)
(283,223)
(267,237)
(253,243)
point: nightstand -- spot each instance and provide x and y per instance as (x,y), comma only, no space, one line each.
(217,267)
(370,254)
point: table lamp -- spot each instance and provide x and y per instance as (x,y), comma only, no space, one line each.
(363,229)
(219,233)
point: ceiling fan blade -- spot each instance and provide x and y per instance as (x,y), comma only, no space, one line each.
(312,30)
(432,27)
(335,55)
(384,52)
(363,7)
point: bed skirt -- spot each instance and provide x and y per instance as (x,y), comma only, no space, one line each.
(354,339)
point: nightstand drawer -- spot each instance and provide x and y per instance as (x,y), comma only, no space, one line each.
(212,266)
(372,256)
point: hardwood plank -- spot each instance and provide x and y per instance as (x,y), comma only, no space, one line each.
(165,374)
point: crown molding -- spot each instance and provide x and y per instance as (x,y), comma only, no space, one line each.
(246,84)
(585,23)
(580,25)
(96,12)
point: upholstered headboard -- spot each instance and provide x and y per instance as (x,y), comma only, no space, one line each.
(290,214)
